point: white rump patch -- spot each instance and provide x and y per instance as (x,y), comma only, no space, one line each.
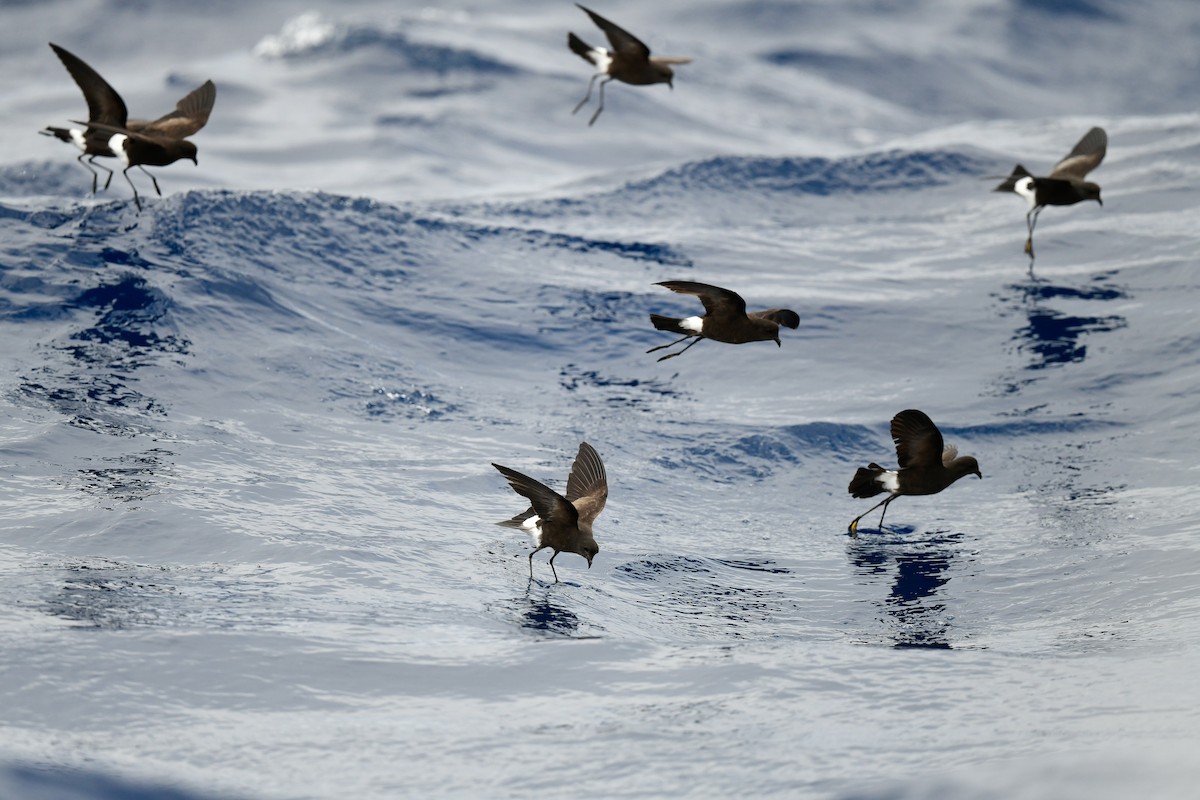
(77,139)
(1024,187)
(116,143)
(601,58)
(693,324)
(889,480)
(533,526)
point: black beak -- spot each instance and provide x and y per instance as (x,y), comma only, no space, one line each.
(980,475)
(1098,200)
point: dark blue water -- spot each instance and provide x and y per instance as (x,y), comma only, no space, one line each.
(246,521)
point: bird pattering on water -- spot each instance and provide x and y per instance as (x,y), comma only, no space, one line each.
(108,132)
(1065,185)
(628,61)
(726,319)
(562,523)
(926,465)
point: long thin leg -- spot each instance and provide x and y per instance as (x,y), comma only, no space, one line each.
(552,569)
(95,175)
(885,506)
(854,523)
(136,199)
(587,96)
(600,107)
(531,555)
(107,180)
(1031,222)
(143,169)
(684,350)
(671,344)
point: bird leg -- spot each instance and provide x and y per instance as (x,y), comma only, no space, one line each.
(136,199)
(1031,223)
(684,350)
(80,158)
(587,96)
(535,551)
(885,507)
(108,180)
(671,344)
(600,107)
(853,528)
(154,179)
(552,569)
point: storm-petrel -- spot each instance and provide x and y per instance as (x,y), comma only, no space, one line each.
(926,465)
(562,523)
(726,319)
(629,60)
(107,117)
(1065,185)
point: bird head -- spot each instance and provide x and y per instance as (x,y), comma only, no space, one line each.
(1091,192)
(588,550)
(188,150)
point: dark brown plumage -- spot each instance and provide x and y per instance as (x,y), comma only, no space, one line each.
(562,523)
(628,61)
(926,465)
(1065,186)
(726,319)
(107,114)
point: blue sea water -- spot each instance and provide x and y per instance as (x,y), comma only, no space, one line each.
(246,501)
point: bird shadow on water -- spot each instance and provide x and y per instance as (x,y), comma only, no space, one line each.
(1050,336)
(537,611)
(915,570)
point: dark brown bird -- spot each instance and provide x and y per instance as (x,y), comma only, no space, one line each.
(562,523)
(926,465)
(726,319)
(1065,185)
(106,108)
(629,61)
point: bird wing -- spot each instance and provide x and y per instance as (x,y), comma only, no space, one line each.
(717,302)
(1086,156)
(100,126)
(669,60)
(622,41)
(949,453)
(918,441)
(190,114)
(780,316)
(549,504)
(104,104)
(587,487)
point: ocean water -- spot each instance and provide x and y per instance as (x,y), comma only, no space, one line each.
(246,504)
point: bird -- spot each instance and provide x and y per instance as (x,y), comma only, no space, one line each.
(725,319)
(107,117)
(563,524)
(1065,186)
(926,465)
(629,60)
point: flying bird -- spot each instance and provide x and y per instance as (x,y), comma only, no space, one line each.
(160,141)
(926,465)
(563,524)
(629,61)
(725,319)
(1065,185)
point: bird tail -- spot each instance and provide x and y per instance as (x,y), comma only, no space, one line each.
(669,324)
(865,482)
(59,133)
(1009,184)
(580,48)
(519,520)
